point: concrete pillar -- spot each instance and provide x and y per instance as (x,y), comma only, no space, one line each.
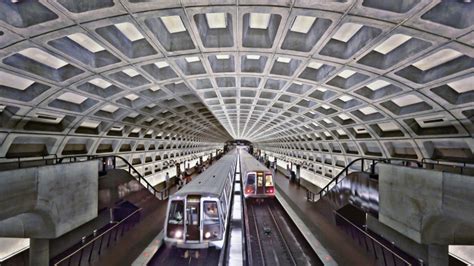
(39,252)
(438,255)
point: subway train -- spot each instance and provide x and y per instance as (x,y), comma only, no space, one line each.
(257,179)
(197,215)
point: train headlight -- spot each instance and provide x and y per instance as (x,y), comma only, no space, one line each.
(207,234)
(178,234)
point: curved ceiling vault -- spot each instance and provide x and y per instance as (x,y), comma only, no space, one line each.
(366,77)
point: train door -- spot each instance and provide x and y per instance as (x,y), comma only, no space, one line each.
(260,184)
(193,221)
(269,186)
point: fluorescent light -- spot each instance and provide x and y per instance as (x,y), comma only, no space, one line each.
(132,97)
(315,65)
(86,42)
(463,85)
(100,83)
(13,81)
(325,106)
(216,20)
(110,108)
(222,56)
(345,98)
(407,100)
(346,73)
(253,57)
(437,59)
(283,60)
(44,58)
(368,110)
(378,84)
(391,43)
(192,59)
(173,24)
(131,72)
(346,31)
(259,20)
(130,31)
(72,98)
(162,64)
(327,121)
(302,24)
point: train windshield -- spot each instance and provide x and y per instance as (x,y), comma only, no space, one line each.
(268,181)
(211,214)
(176,214)
(250,179)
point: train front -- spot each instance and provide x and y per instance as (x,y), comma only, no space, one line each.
(194,222)
(259,184)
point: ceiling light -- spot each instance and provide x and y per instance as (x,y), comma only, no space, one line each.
(321,89)
(407,100)
(192,59)
(346,31)
(222,56)
(253,57)
(86,42)
(345,98)
(100,83)
(325,106)
(346,73)
(344,117)
(110,108)
(302,24)
(90,124)
(13,81)
(283,60)
(132,97)
(368,110)
(173,24)
(216,20)
(259,20)
(72,98)
(131,72)
(437,59)
(462,85)
(314,65)
(391,43)
(390,126)
(130,31)
(162,64)
(44,58)
(378,84)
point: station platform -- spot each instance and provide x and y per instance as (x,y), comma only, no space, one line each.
(329,242)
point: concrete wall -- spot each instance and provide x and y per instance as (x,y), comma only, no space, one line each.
(427,206)
(47,201)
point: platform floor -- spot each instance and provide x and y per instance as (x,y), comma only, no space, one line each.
(337,243)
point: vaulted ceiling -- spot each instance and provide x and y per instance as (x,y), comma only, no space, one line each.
(380,78)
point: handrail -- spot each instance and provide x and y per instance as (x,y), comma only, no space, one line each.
(97,237)
(372,238)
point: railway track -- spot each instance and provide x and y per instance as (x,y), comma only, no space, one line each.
(175,256)
(273,239)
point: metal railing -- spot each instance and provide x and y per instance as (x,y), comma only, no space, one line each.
(383,254)
(91,250)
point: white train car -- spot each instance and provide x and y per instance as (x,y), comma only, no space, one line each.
(257,179)
(197,215)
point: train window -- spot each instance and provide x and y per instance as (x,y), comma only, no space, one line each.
(211,214)
(268,181)
(176,214)
(259,180)
(250,179)
(193,215)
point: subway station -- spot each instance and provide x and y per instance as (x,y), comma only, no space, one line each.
(236,132)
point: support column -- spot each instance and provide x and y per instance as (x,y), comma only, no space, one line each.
(438,255)
(39,252)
